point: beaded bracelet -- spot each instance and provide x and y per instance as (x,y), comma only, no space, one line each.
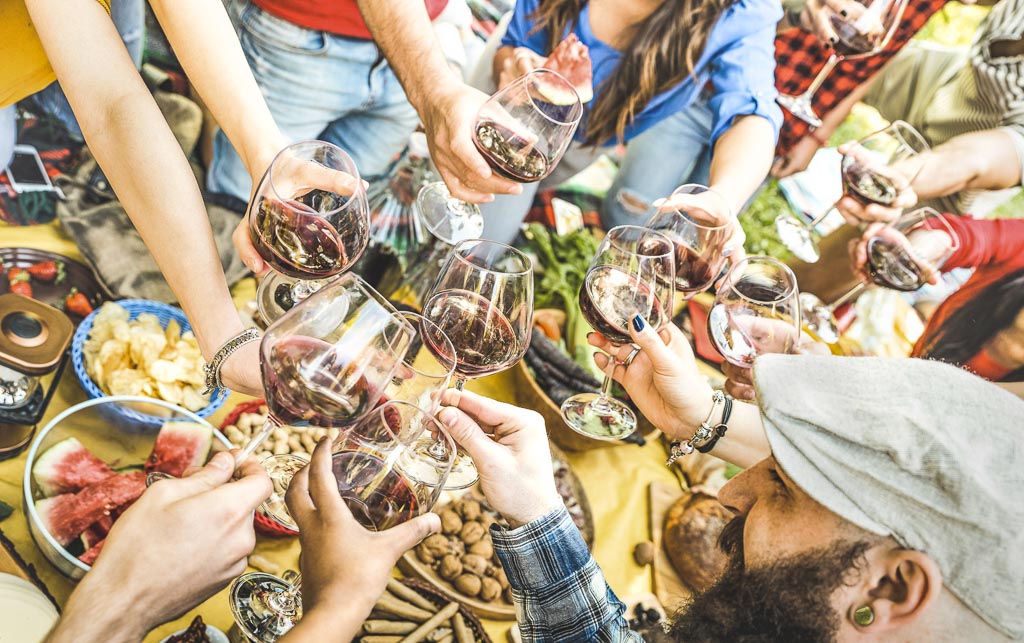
(704,433)
(720,428)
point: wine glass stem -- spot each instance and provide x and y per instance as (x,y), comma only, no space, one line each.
(302,289)
(821,217)
(268,427)
(847,296)
(294,580)
(830,64)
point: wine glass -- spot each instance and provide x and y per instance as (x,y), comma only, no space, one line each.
(903,256)
(756,311)
(876,169)
(864,31)
(483,301)
(695,229)
(524,129)
(383,481)
(309,220)
(633,273)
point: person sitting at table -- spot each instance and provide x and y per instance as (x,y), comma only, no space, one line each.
(179,544)
(655,64)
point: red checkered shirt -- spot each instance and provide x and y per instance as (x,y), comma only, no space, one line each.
(799,57)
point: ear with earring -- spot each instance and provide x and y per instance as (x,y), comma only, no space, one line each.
(863,616)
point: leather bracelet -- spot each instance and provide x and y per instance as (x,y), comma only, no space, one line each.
(720,428)
(211,370)
(704,433)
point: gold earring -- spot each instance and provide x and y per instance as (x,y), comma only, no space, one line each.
(864,616)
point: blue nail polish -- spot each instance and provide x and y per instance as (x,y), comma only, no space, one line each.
(638,323)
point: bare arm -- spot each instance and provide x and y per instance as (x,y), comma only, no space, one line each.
(133,144)
(984,160)
(798,158)
(741,159)
(447,107)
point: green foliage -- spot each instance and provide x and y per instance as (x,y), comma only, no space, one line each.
(758,221)
(954,25)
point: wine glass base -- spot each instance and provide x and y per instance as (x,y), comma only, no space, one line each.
(798,238)
(818,318)
(799,106)
(277,294)
(598,417)
(281,469)
(462,475)
(262,607)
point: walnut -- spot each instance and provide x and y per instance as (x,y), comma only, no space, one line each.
(490,589)
(433,548)
(471,533)
(450,567)
(474,564)
(482,548)
(450,522)
(469,509)
(498,574)
(468,584)
(643,553)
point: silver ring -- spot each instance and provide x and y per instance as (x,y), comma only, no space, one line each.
(629,359)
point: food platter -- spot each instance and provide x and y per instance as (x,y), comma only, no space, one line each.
(78,276)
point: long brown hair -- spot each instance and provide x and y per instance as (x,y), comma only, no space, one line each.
(663,51)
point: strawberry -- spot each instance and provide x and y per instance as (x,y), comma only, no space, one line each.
(77,304)
(18,279)
(48,271)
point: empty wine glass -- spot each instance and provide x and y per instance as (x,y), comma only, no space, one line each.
(524,129)
(876,169)
(383,481)
(903,256)
(483,301)
(756,311)
(863,29)
(309,220)
(632,274)
(695,227)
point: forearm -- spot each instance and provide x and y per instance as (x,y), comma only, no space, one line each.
(985,160)
(209,51)
(340,621)
(741,159)
(401,28)
(97,612)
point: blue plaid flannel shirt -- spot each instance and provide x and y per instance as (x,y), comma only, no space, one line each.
(559,591)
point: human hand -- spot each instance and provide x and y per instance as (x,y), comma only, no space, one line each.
(449,120)
(342,562)
(857,213)
(740,382)
(663,380)
(180,543)
(817,17)
(921,246)
(509,446)
(710,208)
(522,61)
(798,158)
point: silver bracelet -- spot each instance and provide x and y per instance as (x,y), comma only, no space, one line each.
(704,433)
(212,369)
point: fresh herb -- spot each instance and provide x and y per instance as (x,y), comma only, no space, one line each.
(5,510)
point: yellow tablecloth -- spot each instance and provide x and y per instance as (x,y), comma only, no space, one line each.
(615,479)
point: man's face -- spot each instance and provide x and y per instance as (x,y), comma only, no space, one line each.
(788,556)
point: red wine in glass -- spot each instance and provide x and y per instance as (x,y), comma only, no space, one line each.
(693,272)
(378,495)
(852,42)
(309,382)
(868,186)
(740,337)
(610,298)
(483,338)
(890,265)
(296,240)
(510,155)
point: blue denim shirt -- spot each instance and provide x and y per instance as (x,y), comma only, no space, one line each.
(559,591)
(738,62)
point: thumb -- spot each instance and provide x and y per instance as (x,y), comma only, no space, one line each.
(401,538)
(466,433)
(216,472)
(644,336)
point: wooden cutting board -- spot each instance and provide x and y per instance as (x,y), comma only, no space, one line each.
(668,587)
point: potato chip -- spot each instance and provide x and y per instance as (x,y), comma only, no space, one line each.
(126,381)
(171,392)
(193,400)
(173,332)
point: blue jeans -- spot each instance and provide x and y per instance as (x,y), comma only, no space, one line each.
(318,86)
(129,17)
(675,151)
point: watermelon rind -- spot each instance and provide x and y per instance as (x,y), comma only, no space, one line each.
(68,515)
(178,446)
(67,467)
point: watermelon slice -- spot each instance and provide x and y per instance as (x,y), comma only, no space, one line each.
(571,59)
(91,554)
(97,531)
(180,445)
(67,467)
(68,515)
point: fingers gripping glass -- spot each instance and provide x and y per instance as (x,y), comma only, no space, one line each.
(903,256)
(632,274)
(864,30)
(876,169)
(309,221)
(756,311)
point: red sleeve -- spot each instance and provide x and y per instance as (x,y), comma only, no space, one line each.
(987,242)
